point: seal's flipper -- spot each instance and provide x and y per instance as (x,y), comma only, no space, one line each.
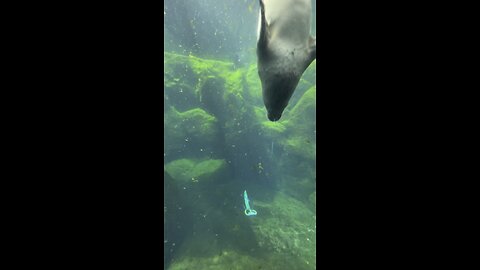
(262,33)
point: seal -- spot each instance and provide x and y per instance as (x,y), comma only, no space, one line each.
(285,49)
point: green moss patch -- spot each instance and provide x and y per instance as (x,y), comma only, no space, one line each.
(189,170)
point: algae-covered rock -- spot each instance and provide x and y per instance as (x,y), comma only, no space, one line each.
(208,170)
(273,126)
(215,86)
(216,135)
(288,227)
(185,75)
(204,67)
(188,170)
(284,233)
(301,125)
(211,96)
(298,142)
(223,252)
(228,259)
(221,261)
(192,127)
(300,145)
(254,86)
(302,115)
(198,123)
(300,183)
(272,130)
(179,82)
(223,92)
(310,73)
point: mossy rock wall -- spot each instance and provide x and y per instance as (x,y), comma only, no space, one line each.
(298,162)
(187,171)
(215,95)
(191,133)
(218,142)
(206,184)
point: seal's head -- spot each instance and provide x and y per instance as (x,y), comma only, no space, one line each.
(277,89)
(274,113)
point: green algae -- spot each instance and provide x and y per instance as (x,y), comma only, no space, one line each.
(272,129)
(233,89)
(301,125)
(307,80)
(203,67)
(298,145)
(222,105)
(260,114)
(195,122)
(188,170)
(282,238)
(193,126)
(179,169)
(310,73)
(304,111)
(225,259)
(254,86)
(234,82)
(200,121)
(241,89)
(233,260)
(288,227)
(207,168)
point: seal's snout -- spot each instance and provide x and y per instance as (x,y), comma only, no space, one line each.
(272,116)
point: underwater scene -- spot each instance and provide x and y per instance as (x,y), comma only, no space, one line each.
(239,189)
